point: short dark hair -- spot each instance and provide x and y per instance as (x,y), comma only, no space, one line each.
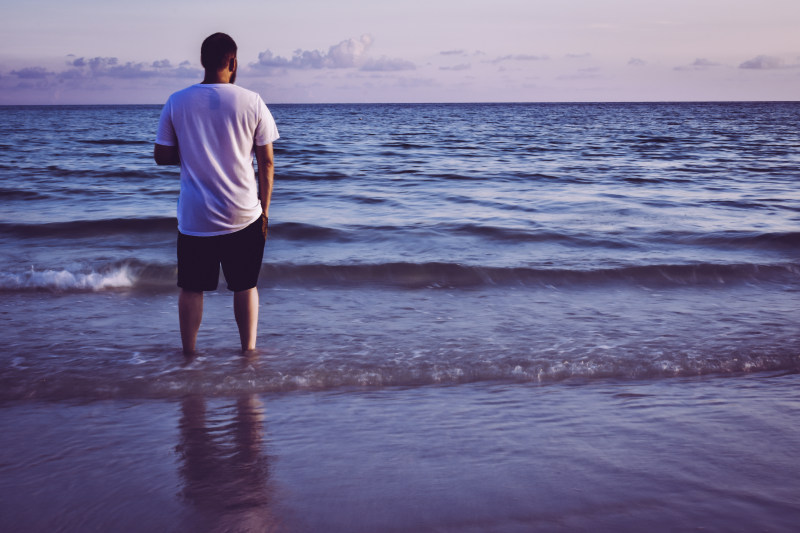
(217,50)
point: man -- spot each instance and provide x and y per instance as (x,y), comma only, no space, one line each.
(211,130)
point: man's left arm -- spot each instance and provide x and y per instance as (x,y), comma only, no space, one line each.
(265,161)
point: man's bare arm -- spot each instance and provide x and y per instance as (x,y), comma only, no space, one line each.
(266,175)
(166,155)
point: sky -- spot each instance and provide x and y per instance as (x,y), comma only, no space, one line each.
(320,51)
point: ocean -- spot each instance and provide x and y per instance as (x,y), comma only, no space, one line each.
(474,317)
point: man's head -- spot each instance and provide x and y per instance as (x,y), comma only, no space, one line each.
(218,52)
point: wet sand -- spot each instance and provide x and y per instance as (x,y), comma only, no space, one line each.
(710,454)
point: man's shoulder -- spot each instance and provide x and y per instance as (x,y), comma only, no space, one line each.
(241,92)
(182,93)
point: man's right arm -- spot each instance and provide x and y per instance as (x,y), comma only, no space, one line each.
(166,155)
(265,161)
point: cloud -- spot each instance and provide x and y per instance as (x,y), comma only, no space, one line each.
(82,73)
(518,57)
(582,74)
(636,62)
(386,64)
(95,63)
(700,63)
(703,63)
(31,73)
(111,67)
(462,66)
(350,53)
(453,53)
(585,55)
(763,63)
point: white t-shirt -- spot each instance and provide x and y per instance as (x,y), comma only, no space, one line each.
(215,127)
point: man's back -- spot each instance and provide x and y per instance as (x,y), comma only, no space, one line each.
(215,127)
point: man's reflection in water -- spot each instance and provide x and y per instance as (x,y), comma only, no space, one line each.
(223,466)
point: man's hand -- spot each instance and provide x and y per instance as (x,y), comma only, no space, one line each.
(264,225)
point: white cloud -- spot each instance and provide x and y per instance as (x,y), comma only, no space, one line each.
(350,53)
(636,62)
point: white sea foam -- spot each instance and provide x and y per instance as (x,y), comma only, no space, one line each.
(64,280)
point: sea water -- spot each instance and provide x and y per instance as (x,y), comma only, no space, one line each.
(434,276)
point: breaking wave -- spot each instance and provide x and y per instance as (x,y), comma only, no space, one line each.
(134,274)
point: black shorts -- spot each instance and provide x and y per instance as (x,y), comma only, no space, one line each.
(240,254)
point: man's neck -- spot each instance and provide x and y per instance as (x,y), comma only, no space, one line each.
(215,79)
(220,76)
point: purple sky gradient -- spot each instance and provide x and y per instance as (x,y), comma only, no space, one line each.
(100,52)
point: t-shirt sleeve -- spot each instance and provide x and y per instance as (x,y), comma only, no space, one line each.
(166,131)
(266,129)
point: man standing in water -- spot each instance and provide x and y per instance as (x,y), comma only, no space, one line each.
(211,130)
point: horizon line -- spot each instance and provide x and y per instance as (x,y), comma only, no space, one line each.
(519,102)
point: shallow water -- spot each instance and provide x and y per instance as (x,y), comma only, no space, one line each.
(333,337)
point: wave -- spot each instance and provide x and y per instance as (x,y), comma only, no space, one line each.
(297,231)
(293,231)
(61,172)
(304,176)
(65,280)
(163,373)
(134,274)
(89,228)
(451,275)
(496,233)
(17,194)
(115,275)
(655,140)
(115,142)
(741,239)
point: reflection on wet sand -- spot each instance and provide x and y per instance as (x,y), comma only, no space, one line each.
(224,469)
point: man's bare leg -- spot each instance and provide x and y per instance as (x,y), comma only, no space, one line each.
(190,314)
(245,309)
